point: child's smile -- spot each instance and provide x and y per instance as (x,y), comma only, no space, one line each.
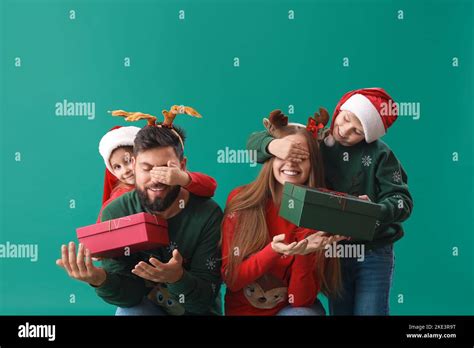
(121,163)
(347,130)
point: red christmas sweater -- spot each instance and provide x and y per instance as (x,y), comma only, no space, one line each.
(201,185)
(267,281)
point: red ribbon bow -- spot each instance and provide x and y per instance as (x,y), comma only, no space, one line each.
(313,127)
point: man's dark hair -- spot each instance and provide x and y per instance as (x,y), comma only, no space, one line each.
(151,137)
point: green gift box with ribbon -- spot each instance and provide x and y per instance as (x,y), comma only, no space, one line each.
(329,211)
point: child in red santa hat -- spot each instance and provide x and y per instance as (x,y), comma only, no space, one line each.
(356,161)
(116,148)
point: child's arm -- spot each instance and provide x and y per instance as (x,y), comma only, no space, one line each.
(396,200)
(196,183)
(266,146)
(201,184)
(116,193)
(258,141)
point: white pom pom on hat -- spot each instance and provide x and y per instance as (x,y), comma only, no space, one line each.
(329,140)
(123,136)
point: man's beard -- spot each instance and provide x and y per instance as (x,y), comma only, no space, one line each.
(159,204)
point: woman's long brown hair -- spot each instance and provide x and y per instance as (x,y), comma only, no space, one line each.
(249,204)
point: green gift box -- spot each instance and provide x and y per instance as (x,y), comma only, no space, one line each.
(329,211)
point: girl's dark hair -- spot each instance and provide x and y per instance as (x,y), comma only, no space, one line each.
(151,137)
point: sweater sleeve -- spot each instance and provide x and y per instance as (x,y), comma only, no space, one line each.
(302,289)
(121,287)
(396,200)
(201,185)
(116,193)
(258,141)
(105,204)
(252,267)
(200,283)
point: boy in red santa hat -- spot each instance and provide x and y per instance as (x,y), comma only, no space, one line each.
(356,161)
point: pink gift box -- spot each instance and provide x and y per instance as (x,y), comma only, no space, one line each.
(137,232)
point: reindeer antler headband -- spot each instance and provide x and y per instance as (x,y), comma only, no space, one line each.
(277,119)
(169,117)
(317,123)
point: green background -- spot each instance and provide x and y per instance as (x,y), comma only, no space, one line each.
(282,62)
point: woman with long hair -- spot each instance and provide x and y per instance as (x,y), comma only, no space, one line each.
(271,266)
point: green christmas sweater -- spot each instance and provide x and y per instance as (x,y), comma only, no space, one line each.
(363,169)
(195,231)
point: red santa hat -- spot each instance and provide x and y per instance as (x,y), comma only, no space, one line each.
(116,137)
(374,107)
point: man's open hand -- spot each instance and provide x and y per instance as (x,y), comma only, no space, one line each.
(160,272)
(80,266)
